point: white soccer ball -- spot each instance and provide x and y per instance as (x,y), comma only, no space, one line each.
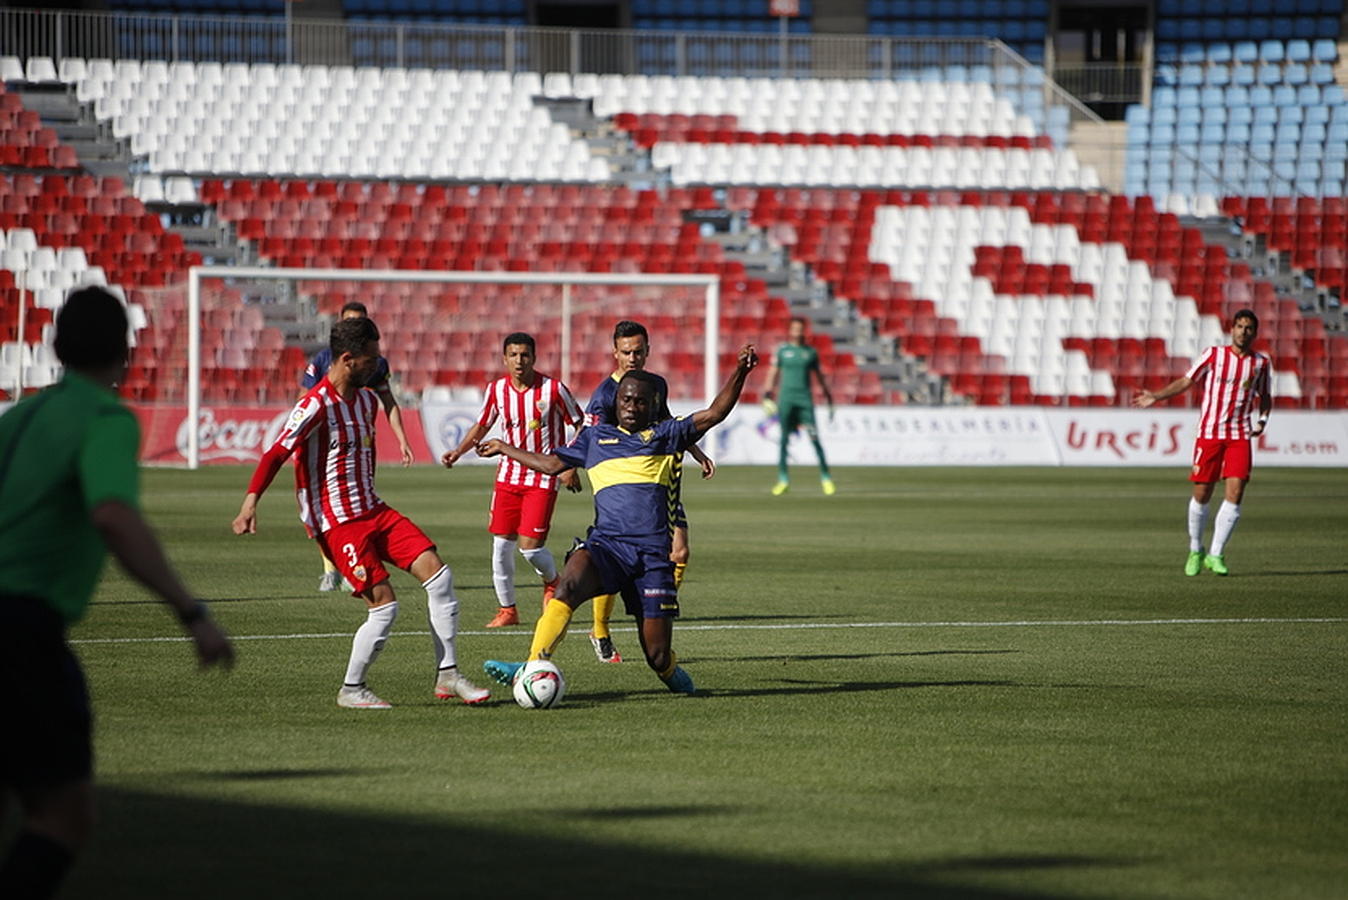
(539,685)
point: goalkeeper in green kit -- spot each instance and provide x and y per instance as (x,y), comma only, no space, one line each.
(793,364)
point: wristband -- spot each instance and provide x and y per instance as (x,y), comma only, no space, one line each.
(193,615)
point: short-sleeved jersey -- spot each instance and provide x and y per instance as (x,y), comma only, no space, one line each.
(1231,383)
(603,405)
(532,419)
(794,363)
(62,453)
(634,476)
(333,443)
(322,361)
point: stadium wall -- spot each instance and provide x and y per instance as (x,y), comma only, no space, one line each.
(857,436)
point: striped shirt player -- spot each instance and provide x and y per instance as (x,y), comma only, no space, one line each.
(534,411)
(1234,379)
(627,550)
(331,434)
(379,381)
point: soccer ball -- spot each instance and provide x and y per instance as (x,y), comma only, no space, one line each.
(539,685)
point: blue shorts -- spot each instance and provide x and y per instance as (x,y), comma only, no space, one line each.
(644,576)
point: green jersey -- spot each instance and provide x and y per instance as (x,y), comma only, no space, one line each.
(62,453)
(794,363)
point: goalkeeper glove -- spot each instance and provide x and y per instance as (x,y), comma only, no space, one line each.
(769,407)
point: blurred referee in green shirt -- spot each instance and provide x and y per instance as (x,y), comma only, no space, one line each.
(68,494)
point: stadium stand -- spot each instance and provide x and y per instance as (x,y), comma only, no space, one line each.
(943,211)
(1021,24)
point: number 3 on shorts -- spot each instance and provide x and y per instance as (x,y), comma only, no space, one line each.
(350,551)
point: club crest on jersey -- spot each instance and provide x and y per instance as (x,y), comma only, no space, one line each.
(359,572)
(647,435)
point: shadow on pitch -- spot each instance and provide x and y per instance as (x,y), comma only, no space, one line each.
(821,657)
(787,687)
(150,846)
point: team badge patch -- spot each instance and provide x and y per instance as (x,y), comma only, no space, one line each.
(359,572)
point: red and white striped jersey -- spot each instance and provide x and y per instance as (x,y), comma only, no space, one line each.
(333,442)
(1231,384)
(532,419)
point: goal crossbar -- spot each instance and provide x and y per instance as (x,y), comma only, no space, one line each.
(564,280)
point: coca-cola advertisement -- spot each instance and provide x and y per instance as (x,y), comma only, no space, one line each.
(235,435)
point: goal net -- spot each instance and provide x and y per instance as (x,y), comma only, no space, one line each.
(243,334)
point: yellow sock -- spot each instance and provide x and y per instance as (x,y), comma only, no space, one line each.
(550,630)
(327,564)
(673,664)
(678,574)
(603,611)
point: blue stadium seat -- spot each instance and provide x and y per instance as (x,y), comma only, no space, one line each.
(1217,76)
(1242,74)
(1236,29)
(1271,51)
(1211,97)
(1315,112)
(1237,96)
(1269,73)
(1245,51)
(1190,115)
(1321,73)
(1237,132)
(1327,27)
(1191,75)
(1212,133)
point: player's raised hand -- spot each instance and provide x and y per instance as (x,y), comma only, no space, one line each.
(748,359)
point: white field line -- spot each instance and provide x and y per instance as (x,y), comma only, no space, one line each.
(796,626)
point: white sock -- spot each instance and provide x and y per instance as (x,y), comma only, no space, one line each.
(503,570)
(369,640)
(1198,517)
(443,608)
(542,561)
(1228,514)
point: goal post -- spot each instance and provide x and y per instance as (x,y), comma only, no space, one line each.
(567,283)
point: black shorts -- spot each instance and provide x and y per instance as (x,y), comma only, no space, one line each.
(47,715)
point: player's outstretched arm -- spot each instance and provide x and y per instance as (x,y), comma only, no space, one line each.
(450,457)
(1145,399)
(539,462)
(394,413)
(133,543)
(729,394)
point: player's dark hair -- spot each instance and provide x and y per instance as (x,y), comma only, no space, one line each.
(800,319)
(627,328)
(645,378)
(1246,314)
(519,337)
(351,336)
(91,330)
(354,306)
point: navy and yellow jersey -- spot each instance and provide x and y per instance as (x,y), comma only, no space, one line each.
(322,361)
(603,406)
(795,362)
(634,476)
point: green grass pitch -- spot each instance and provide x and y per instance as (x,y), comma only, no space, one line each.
(937,683)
